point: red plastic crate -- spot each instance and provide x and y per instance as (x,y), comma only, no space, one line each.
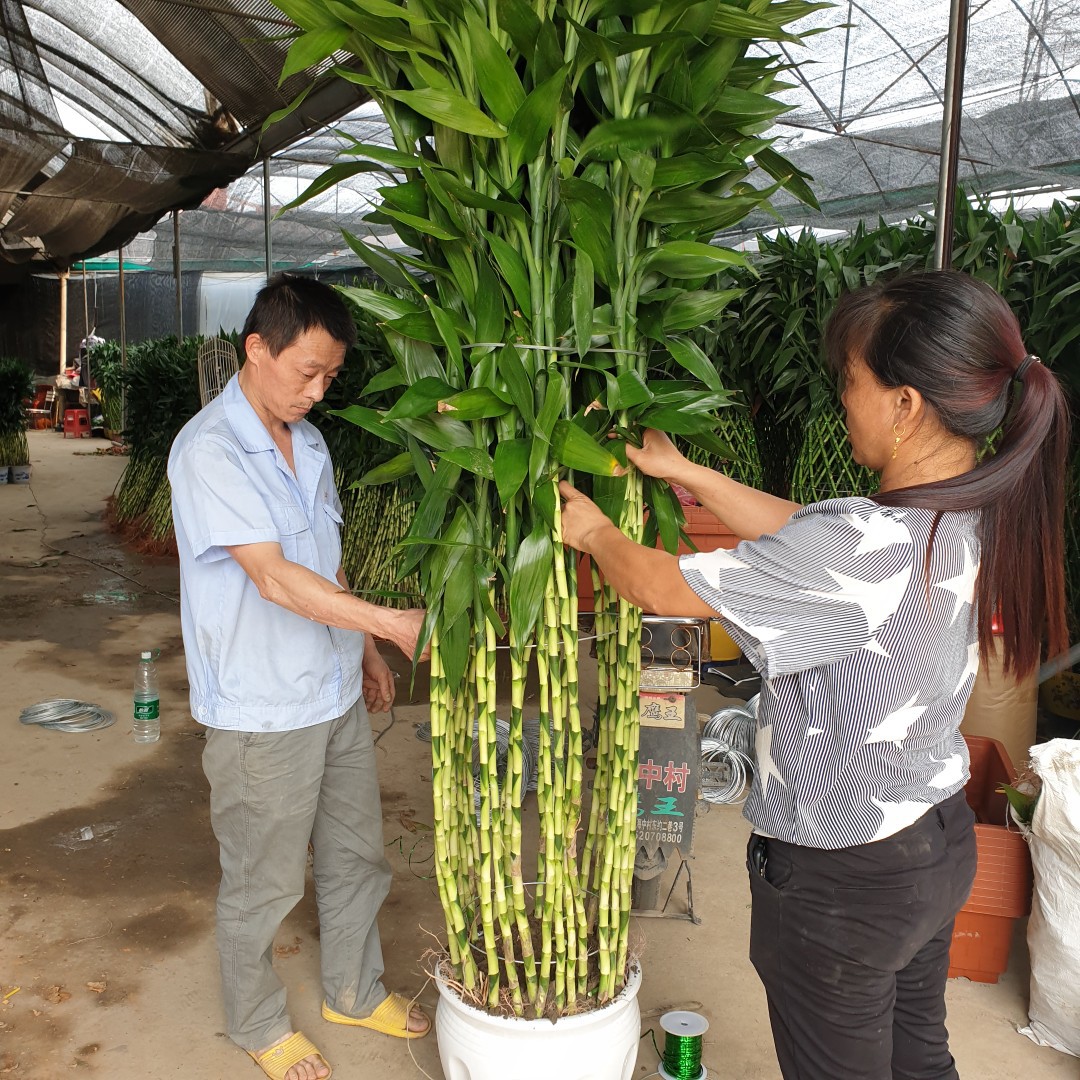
(1002,889)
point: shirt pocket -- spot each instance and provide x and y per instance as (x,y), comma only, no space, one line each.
(331,524)
(294,533)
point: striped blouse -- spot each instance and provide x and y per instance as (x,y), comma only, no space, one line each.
(866,664)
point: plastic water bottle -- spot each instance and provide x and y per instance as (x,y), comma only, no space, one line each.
(147,725)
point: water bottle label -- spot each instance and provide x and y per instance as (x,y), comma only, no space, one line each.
(146,710)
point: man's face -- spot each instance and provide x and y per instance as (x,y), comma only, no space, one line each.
(292,382)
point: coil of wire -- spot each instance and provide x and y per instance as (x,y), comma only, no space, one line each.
(734,726)
(67,714)
(725,773)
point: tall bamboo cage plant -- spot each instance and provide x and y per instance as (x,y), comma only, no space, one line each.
(556,174)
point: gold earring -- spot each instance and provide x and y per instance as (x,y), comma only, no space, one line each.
(898,435)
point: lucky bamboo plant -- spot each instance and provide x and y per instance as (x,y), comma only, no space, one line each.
(556,173)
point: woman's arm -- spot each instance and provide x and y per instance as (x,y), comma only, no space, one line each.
(747,512)
(649,578)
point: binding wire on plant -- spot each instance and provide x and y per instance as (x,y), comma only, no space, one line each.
(825,468)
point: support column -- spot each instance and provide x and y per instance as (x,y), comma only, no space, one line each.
(63,276)
(266,219)
(123,335)
(950,132)
(177,275)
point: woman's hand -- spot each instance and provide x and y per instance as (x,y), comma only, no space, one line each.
(581,517)
(657,457)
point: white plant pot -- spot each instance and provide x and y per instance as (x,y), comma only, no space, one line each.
(20,474)
(597,1045)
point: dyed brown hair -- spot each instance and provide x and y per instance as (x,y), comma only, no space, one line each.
(956,341)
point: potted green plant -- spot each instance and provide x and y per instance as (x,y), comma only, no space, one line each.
(556,176)
(16,385)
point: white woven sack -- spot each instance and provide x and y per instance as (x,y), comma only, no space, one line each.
(1054,927)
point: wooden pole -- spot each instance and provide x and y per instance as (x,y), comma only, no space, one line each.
(950,133)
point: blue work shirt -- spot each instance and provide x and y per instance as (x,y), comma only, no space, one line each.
(253,665)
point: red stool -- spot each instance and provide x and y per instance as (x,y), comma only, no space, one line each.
(77,423)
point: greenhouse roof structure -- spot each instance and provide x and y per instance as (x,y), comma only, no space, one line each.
(125,109)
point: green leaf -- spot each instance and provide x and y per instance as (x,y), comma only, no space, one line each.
(472,198)
(705,212)
(420,399)
(512,267)
(676,420)
(438,432)
(787,175)
(511,467)
(627,391)
(451,109)
(312,48)
(733,22)
(487,312)
(448,332)
(424,226)
(308,14)
(385,155)
(331,178)
(556,396)
(518,382)
(533,121)
(386,9)
(385,380)
(520,21)
(380,304)
(575,448)
(472,459)
(533,567)
(380,32)
(694,308)
(394,469)
(477,403)
(370,420)
(499,84)
(280,114)
(689,355)
(591,213)
(695,168)
(639,133)
(384,267)
(688,259)
(583,301)
(666,512)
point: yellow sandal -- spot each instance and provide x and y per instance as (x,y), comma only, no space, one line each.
(278,1060)
(390,1018)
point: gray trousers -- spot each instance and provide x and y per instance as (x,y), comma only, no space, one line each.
(270,793)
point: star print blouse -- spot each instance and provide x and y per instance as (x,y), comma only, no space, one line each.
(866,664)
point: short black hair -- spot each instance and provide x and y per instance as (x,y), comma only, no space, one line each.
(288,305)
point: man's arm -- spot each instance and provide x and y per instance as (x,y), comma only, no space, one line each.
(302,591)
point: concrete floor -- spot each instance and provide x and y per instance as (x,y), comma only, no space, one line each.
(107,958)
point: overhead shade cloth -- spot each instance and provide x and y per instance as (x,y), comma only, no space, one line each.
(114,112)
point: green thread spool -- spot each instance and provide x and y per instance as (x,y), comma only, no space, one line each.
(682,1048)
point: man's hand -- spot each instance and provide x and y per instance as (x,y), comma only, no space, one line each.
(404,631)
(657,457)
(378,680)
(581,517)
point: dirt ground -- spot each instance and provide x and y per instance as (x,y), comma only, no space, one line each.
(107,957)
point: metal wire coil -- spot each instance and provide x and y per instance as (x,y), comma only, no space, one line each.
(67,714)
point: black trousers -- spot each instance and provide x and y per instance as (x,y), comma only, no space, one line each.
(852,946)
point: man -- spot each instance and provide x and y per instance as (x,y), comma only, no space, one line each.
(281,663)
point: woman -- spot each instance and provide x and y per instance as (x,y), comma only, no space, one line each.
(867,619)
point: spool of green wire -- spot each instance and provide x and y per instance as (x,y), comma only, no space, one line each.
(682,1048)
